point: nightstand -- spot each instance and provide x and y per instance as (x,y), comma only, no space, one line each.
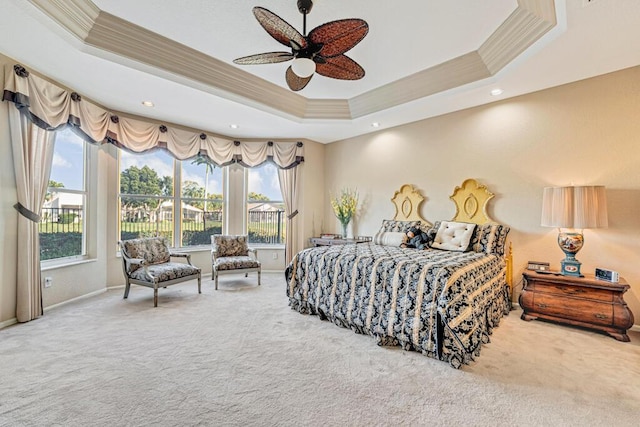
(319,241)
(579,301)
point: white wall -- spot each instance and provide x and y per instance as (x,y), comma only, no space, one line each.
(582,133)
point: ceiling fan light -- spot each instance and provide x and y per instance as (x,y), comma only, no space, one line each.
(303,67)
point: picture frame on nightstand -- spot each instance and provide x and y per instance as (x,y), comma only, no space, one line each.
(538,266)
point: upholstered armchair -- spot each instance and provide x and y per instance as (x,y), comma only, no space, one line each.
(231,254)
(147,262)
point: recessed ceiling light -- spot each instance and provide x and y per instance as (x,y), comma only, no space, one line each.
(147,103)
(496,92)
(375,124)
(234,126)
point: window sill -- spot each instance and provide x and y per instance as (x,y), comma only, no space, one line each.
(62,263)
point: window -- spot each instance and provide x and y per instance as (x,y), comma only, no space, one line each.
(202,201)
(185,201)
(146,195)
(62,228)
(265,209)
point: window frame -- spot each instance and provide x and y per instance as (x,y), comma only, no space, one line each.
(87,183)
(235,203)
(247,214)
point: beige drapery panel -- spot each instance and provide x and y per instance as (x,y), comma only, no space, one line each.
(289,186)
(32,149)
(51,107)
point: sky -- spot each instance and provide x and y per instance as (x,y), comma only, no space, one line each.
(68,155)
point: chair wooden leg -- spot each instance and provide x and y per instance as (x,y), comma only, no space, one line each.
(155,296)
(199,284)
(126,289)
(216,279)
(258,277)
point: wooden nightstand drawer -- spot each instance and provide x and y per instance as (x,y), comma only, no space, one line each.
(575,291)
(572,308)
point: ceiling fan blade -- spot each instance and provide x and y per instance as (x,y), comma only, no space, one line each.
(340,67)
(337,37)
(295,82)
(278,28)
(264,58)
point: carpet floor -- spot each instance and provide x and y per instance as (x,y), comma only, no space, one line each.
(240,357)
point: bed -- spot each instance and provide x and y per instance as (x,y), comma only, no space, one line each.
(443,301)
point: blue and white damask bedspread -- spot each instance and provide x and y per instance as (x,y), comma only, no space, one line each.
(441,303)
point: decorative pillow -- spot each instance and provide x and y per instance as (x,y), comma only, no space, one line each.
(453,236)
(389,238)
(398,226)
(490,239)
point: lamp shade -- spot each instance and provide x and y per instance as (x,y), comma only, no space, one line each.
(574,207)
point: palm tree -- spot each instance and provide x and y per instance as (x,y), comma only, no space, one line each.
(209,165)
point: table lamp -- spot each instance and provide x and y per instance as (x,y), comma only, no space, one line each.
(573,209)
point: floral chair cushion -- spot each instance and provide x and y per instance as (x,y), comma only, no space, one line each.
(165,272)
(154,250)
(235,263)
(230,246)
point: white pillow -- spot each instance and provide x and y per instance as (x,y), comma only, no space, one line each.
(389,238)
(453,236)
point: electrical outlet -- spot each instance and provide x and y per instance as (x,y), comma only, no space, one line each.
(275,255)
(48,281)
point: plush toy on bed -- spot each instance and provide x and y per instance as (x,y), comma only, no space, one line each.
(417,239)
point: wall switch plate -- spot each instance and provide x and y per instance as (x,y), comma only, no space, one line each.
(48,281)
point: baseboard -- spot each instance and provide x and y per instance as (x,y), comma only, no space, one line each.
(81,297)
(8,323)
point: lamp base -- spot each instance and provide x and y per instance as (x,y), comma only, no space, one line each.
(570,242)
(570,267)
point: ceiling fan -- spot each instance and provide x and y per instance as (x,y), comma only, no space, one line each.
(321,51)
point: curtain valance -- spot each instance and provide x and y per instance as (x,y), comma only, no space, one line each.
(52,107)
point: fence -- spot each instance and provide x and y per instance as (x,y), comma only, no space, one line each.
(266,227)
(263,226)
(60,233)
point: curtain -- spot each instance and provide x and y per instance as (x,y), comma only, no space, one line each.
(32,154)
(289,186)
(51,107)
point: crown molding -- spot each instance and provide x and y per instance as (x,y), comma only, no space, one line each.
(115,35)
(456,72)
(528,23)
(152,52)
(77,16)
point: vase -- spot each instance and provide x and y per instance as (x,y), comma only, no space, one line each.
(344,229)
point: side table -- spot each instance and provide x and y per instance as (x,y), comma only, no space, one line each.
(579,301)
(320,241)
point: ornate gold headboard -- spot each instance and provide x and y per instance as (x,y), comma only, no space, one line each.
(407,201)
(471,200)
